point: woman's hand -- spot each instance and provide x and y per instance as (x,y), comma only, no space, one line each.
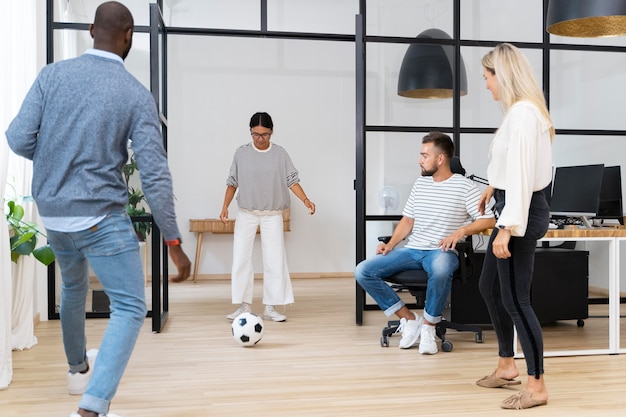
(310,205)
(500,245)
(485,197)
(224,215)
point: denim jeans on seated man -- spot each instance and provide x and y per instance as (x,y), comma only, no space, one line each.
(112,250)
(438,264)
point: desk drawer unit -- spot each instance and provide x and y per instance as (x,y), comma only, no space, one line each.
(560,288)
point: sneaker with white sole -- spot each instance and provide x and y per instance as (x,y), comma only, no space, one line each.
(99,415)
(243,308)
(77,382)
(428,343)
(410,330)
(271,314)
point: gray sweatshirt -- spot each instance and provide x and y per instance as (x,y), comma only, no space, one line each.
(263,178)
(75,123)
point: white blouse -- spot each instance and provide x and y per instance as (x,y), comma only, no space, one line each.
(520,162)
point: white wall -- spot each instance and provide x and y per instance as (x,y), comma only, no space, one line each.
(216,83)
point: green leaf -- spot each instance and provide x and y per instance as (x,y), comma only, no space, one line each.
(16,211)
(24,244)
(23,240)
(44,254)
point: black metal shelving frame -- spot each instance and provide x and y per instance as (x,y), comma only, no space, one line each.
(455,130)
(360,40)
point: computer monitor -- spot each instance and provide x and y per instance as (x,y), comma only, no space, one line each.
(611,195)
(576,191)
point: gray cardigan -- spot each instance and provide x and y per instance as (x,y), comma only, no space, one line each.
(75,123)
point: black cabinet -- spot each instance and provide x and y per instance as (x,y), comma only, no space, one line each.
(560,288)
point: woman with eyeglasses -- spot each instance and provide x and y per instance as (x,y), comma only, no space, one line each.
(263,173)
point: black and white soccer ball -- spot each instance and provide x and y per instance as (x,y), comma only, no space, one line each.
(248,329)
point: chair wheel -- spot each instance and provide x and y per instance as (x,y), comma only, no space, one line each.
(384,341)
(580,323)
(446,346)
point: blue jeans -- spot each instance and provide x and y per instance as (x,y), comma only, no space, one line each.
(111,249)
(439,265)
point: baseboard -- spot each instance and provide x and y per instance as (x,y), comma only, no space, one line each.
(294,275)
(602,292)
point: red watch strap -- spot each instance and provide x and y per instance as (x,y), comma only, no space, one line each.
(174,242)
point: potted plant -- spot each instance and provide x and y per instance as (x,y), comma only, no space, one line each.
(23,236)
(135,199)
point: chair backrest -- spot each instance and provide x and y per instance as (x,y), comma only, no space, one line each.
(456,167)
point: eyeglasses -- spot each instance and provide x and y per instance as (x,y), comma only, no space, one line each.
(260,135)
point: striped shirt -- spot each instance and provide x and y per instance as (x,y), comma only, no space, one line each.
(440,208)
(262,178)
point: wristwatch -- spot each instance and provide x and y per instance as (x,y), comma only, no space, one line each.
(174,242)
(501,227)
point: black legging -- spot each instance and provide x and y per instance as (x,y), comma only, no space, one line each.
(505,285)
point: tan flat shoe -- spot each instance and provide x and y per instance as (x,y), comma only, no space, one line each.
(492,381)
(521,401)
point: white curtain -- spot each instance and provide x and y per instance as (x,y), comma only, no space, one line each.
(6,364)
(18,48)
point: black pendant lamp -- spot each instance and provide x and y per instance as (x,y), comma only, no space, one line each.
(586,18)
(427,71)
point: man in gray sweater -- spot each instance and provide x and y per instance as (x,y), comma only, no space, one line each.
(75,124)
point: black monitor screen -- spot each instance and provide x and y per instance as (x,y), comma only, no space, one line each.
(611,195)
(576,190)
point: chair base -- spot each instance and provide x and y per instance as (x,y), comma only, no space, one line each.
(440,329)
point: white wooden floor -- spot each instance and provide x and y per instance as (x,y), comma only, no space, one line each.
(318,363)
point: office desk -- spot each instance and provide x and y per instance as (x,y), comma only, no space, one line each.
(216,226)
(613,236)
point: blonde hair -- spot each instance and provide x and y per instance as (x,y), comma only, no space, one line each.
(516,80)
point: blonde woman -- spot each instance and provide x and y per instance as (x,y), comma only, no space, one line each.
(519,173)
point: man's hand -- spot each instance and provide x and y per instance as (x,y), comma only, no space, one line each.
(182,262)
(449,242)
(383,249)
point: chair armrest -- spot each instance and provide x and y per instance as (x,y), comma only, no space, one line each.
(466,258)
(384,239)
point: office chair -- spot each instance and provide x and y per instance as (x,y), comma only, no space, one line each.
(416,281)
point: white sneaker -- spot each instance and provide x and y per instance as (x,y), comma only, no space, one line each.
(428,344)
(271,314)
(410,330)
(77,383)
(243,308)
(99,415)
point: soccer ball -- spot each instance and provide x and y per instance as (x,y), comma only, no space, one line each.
(248,329)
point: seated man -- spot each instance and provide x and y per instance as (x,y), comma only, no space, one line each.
(441,210)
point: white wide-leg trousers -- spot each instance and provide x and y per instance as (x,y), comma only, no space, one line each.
(277,288)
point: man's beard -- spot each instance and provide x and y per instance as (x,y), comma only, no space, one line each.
(429,173)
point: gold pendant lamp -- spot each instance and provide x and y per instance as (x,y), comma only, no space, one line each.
(586,18)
